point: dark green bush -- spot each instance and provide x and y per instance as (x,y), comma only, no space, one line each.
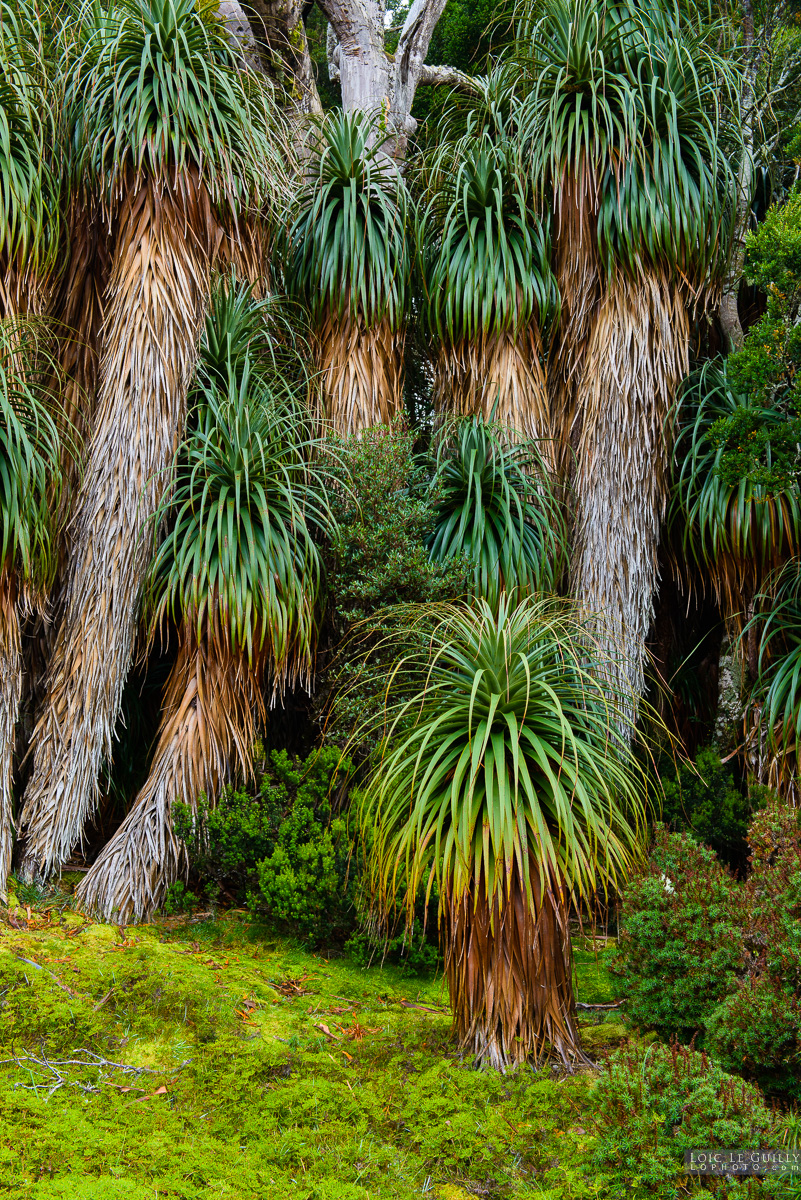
(757,1029)
(385,511)
(705,956)
(679,938)
(280,848)
(706,802)
(653,1103)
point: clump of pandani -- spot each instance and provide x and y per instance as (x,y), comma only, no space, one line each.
(649,165)
(347,256)
(171,202)
(502,779)
(243,588)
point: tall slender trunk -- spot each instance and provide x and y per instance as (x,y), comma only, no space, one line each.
(578,275)
(362,373)
(207,721)
(503,376)
(637,355)
(78,310)
(10,693)
(155,304)
(729,311)
(509,971)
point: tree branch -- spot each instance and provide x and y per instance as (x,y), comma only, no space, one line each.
(449,77)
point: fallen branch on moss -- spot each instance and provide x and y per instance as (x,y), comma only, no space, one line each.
(59,1080)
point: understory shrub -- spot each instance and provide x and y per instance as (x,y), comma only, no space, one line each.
(707,957)
(385,510)
(280,847)
(705,801)
(679,938)
(653,1103)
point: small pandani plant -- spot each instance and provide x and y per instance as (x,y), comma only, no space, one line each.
(503,779)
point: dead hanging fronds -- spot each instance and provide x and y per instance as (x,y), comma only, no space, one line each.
(637,355)
(500,379)
(361,373)
(209,712)
(156,300)
(78,310)
(509,972)
(10,695)
(577,271)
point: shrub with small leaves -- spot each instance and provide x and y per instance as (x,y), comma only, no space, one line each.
(757,1029)
(705,801)
(679,938)
(280,847)
(653,1103)
(705,956)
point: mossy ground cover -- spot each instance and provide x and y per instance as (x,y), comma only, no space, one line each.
(203,1058)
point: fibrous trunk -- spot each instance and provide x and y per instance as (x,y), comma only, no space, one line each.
(362,373)
(576,267)
(79,317)
(503,377)
(207,724)
(508,967)
(156,300)
(637,355)
(10,692)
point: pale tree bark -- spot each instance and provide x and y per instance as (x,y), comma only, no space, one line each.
(729,311)
(269,37)
(375,82)
(770,104)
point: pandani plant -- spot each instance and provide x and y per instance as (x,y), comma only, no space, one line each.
(240,574)
(490,295)
(573,121)
(502,779)
(29,487)
(496,508)
(347,257)
(773,724)
(183,151)
(29,194)
(736,529)
(641,153)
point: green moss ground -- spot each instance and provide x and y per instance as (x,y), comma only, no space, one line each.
(262,1071)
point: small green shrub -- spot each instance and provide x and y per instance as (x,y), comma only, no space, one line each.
(705,802)
(757,1029)
(280,848)
(179,899)
(705,956)
(651,1104)
(679,938)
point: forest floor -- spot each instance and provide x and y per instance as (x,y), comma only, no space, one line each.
(199,1057)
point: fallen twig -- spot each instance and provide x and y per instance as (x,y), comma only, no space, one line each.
(55,978)
(58,1079)
(617,1004)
